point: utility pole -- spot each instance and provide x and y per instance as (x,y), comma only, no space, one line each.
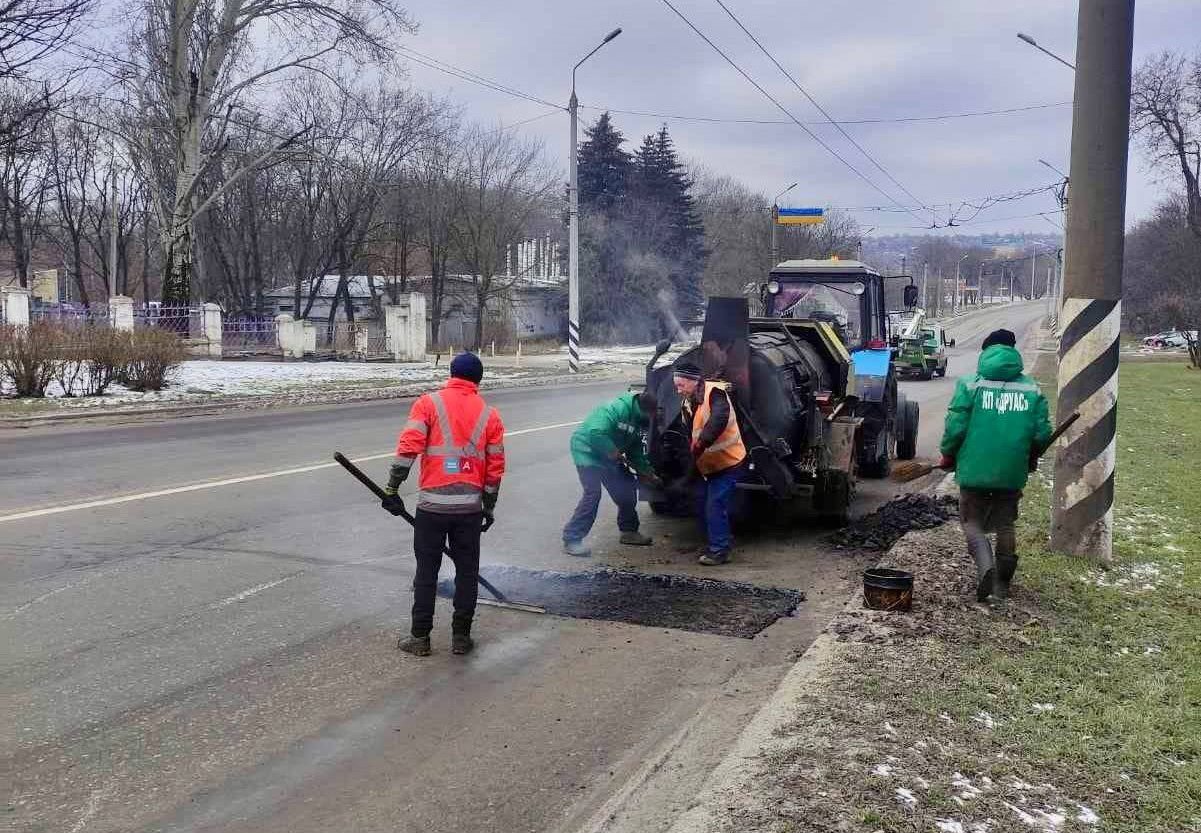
(573,221)
(938,310)
(112,232)
(1082,501)
(775,221)
(925,275)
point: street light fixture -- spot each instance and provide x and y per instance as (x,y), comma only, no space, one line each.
(1032,42)
(775,208)
(573,214)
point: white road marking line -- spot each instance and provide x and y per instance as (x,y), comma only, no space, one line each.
(250,591)
(229,481)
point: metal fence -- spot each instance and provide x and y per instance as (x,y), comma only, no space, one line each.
(68,314)
(250,334)
(341,338)
(183,321)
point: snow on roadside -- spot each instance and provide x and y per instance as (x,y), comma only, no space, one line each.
(204,379)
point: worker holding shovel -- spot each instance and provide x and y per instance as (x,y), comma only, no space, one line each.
(996,429)
(460,441)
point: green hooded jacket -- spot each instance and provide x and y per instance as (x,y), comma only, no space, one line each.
(996,419)
(612,429)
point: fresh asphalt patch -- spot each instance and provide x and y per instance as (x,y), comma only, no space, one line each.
(727,608)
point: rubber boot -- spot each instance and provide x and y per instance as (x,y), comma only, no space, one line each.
(1006,567)
(460,637)
(418,646)
(986,571)
(634,538)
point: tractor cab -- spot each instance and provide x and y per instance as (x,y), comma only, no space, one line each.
(848,297)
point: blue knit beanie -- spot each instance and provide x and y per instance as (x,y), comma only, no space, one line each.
(467,366)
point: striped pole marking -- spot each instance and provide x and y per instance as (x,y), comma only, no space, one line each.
(1082,521)
(573,345)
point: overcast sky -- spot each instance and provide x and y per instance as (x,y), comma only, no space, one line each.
(871,59)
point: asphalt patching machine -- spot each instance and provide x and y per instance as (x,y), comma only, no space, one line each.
(814,389)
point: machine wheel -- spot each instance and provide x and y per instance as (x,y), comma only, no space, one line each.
(926,373)
(907,424)
(942,371)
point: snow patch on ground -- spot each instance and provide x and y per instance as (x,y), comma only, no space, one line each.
(906,797)
(1138,577)
(204,379)
(986,720)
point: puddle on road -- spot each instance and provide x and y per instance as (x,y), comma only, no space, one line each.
(728,608)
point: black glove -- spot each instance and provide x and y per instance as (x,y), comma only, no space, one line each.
(392,502)
(490,502)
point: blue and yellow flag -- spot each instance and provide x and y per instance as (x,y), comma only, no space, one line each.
(799,216)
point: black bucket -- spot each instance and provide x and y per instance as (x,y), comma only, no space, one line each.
(887,589)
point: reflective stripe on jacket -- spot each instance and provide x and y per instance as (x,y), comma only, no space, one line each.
(460,440)
(727,450)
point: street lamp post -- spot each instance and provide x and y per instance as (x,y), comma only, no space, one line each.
(775,208)
(955,289)
(573,217)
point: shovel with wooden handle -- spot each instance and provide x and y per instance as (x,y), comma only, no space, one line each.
(500,599)
(913,469)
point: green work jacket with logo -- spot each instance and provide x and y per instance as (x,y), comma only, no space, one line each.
(612,429)
(995,420)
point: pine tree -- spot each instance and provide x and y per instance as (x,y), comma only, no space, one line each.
(603,167)
(667,214)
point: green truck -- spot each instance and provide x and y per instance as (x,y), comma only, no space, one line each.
(923,351)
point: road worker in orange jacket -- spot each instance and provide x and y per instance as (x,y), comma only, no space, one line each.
(717,449)
(460,440)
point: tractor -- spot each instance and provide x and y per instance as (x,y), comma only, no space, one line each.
(814,390)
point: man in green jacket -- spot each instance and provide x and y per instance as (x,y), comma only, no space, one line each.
(997,427)
(604,448)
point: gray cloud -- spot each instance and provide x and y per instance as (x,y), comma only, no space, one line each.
(861,60)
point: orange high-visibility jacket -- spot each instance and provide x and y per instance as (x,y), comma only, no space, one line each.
(461,441)
(728,449)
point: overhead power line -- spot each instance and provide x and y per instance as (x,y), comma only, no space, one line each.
(985,220)
(782,108)
(471,77)
(893,120)
(815,103)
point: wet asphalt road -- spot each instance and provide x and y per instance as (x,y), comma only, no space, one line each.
(221,658)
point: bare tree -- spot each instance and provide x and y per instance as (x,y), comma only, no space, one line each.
(1165,111)
(505,185)
(436,166)
(199,62)
(24,181)
(33,29)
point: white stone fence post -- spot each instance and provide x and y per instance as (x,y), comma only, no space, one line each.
(404,325)
(15,300)
(120,313)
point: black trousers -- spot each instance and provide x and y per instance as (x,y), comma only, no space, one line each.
(432,531)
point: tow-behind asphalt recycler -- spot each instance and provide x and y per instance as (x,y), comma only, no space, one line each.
(815,391)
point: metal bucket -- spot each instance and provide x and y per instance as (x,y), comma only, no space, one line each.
(887,589)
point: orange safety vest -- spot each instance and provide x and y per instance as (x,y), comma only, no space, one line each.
(460,440)
(727,450)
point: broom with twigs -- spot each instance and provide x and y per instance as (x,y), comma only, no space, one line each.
(907,470)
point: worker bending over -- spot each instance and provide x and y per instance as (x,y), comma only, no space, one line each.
(607,449)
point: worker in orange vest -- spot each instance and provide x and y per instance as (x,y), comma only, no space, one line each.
(460,440)
(718,450)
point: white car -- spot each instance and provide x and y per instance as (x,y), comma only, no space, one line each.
(1169,339)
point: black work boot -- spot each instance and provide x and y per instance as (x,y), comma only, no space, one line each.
(461,643)
(1006,567)
(418,646)
(460,636)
